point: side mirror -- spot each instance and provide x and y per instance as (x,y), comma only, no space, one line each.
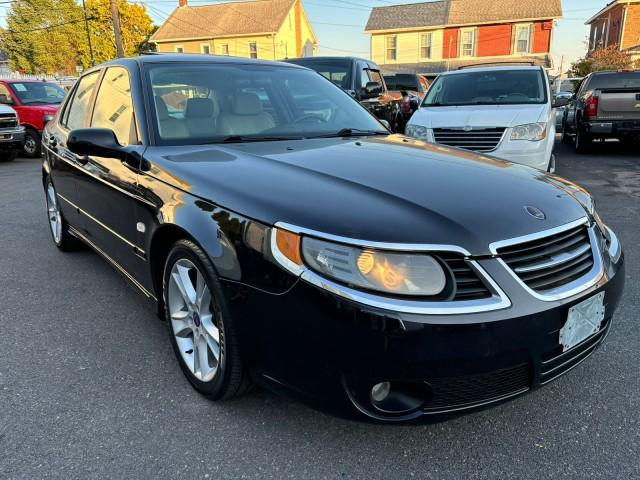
(560,101)
(414,102)
(6,100)
(371,90)
(99,142)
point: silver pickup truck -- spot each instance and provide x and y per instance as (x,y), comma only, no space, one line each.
(606,105)
(11,134)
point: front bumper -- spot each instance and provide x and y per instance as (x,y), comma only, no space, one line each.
(12,138)
(329,351)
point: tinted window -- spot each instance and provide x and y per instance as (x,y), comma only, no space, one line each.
(252,101)
(406,82)
(114,106)
(38,93)
(374,76)
(615,80)
(390,81)
(77,110)
(498,87)
(336,70)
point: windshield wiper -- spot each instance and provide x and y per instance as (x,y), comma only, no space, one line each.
(247,139)
(351,132)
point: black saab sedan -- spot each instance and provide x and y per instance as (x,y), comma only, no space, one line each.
(290,240)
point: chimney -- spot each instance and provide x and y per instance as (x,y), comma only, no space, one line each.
(182,3)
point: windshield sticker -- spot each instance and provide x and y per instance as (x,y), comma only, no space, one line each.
(20,87)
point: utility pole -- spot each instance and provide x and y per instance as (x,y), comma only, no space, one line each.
(92,61)
(116,29)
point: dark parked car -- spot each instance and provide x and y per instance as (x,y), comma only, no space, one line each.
(606,105)
(293,242)
(362,80)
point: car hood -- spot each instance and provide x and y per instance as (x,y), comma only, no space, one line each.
(478,116)
(383,189)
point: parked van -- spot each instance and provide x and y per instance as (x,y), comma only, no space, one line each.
(504,111)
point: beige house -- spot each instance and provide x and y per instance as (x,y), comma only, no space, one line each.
(265,29)
(617,24)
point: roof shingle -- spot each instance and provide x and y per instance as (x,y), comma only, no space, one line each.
(224,20)
(460,12)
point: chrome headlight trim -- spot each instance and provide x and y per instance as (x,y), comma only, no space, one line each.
(497,301)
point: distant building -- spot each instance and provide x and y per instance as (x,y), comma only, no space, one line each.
(617,24)
(432,37)
(265,29)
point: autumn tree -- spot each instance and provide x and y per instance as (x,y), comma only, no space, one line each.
(610,58)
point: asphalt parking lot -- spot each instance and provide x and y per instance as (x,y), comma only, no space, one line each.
(89,387)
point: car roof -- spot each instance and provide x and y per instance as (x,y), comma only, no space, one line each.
(498,68)
(189,58)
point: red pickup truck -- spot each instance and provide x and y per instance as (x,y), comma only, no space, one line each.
(36,102)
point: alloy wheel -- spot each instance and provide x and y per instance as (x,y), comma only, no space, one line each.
(55,219)
(192,320)
(30,145)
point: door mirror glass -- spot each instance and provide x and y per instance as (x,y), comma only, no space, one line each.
(371,90)
(5,99)
(560,101)
(99,142)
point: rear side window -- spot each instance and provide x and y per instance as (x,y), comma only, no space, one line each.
(407,82)
(114,105)
(615,80)
(76,112)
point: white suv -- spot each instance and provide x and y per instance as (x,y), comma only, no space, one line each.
(504,111)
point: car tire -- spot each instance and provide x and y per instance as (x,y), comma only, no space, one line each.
(198,327)
(8,156)
(582,141)
(566,139)
(32,143)
(58,226)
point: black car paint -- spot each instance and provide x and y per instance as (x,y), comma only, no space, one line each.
(297,338)
(385,106)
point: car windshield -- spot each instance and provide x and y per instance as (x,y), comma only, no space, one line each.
(615,80)
(217,103)
(38,93)
(497,87)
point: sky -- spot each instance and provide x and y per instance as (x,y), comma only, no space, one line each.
(339,24)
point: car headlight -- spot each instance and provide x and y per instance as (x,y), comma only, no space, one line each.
(533,132)
(396,273)
(47,118)
(417,131)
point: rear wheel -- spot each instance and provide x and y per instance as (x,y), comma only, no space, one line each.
(57,224)
(566,139)
(583,141)
(31,147)
(8,156)
(202,331)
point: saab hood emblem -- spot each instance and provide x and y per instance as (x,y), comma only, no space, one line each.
(468,128)
(535,212)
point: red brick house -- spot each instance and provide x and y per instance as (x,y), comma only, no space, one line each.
(617,24)
(431,37)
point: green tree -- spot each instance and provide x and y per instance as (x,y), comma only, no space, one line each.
(610,58)
(42,36)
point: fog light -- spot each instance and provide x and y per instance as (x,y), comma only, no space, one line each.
(380,391)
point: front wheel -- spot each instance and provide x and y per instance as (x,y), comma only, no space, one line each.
(57,224)
(8,156)
(200,326)
(31,147)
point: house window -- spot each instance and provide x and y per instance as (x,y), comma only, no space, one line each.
(253,50)
(392,44)
(205,49)
(224,49)
(179,49)
(468,43)
(523,39)
(425,45)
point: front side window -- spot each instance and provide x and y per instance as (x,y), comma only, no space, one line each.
(468,43)
(253,50)
(76,112)
(114,105)
(498,87)
(38,93)
(523,36)
(337,70)
(214,103)
(392,42)
(425,45)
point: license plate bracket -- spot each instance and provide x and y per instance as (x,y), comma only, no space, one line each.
(584,319)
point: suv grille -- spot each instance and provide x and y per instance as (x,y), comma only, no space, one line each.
(551,262)
(8,120)
(469,286)
(478,139)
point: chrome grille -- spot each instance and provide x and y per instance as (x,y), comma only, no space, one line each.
(468,285)
(551,262)
(477,139)
(8,120)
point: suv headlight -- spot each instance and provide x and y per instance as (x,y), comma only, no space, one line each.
(396,273)
(417,131)
(534,132)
